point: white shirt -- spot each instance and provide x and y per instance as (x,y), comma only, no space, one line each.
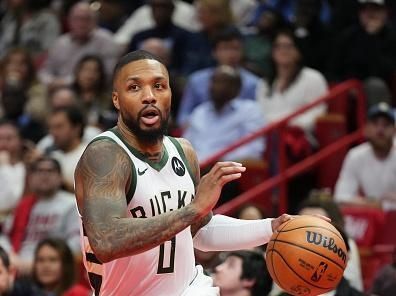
(363,173)
(308,86)
(12,184)
(68,161)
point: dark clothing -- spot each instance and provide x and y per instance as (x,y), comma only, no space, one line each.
(357,54)
(175,37)
(25,287)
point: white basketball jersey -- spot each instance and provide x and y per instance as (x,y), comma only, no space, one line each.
(156,188)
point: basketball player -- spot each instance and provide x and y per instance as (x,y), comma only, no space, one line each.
(142,204)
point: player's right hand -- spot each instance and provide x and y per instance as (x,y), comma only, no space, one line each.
(209,188)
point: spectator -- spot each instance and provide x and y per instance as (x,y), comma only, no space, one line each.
(368,173)
(59,98)
(367,49)
(228,50)
(91,87)
(9,284)
(142,19)
(292,85)
(54,269)
(12,168)
(17,70)
(258,44)
(243,273)
(385,280)
(174,36)
(46,212)
(13,102)
(214,17)
(28,24)
(251,211)
(66,126)
(322,203)
(224,115)
(84,38)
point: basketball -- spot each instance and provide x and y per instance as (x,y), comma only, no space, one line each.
(306,256)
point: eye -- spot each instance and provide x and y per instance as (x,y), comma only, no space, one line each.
(158,86)
(133,87)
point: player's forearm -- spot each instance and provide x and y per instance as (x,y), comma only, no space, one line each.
(120,237)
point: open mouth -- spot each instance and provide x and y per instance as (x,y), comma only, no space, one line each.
(150,116)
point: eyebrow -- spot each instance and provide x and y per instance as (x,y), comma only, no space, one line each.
(137,79)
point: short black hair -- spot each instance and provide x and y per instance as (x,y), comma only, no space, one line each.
(75,116)
(55,162)
(4,258)
(227,34)
(254,268)
(134,56)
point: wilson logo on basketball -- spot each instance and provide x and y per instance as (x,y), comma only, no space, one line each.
(326,242)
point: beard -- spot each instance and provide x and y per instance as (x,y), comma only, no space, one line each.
(150,135)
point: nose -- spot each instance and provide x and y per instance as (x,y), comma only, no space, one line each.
(148,96)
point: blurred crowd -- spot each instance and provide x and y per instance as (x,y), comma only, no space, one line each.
(235,66)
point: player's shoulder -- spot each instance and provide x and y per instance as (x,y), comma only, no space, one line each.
(102,152)
(184,143)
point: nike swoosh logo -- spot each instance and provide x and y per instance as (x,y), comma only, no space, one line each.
(141,172)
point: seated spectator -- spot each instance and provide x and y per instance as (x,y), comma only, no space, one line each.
(91,88)
(28,24)
(83,38)
(366,50)
(13,102)
(17,70)
(228,50)
(214,16)
(142,19)
(385,280)
(258,44)
(322,203)
(66,126)
(174,36)
(224,115)
(292,85)
(251,211)
(46,212)
(243,273)
(368,173)
(12,168)
(63,97)
(10,285)
(54,269)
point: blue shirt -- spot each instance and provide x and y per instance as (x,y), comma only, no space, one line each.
(197,91)
(210,131)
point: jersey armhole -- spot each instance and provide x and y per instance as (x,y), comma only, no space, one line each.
(183,156)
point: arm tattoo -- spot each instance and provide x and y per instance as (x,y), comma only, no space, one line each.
(194,164)
(102,175)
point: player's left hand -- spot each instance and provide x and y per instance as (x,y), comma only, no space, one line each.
(275,223)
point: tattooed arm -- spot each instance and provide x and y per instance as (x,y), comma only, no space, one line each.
(103,173)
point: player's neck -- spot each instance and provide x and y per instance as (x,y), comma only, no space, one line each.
(153,151)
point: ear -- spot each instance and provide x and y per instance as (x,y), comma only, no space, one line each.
(248,283)
(366,130)
(114,97)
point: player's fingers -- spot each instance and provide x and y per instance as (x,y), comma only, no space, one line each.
(228,178)
(223,164)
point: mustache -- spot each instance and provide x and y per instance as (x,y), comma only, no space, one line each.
(149,106)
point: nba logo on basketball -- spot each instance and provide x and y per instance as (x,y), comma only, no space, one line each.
(319,272)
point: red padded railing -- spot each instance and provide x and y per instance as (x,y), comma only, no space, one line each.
(338,92)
